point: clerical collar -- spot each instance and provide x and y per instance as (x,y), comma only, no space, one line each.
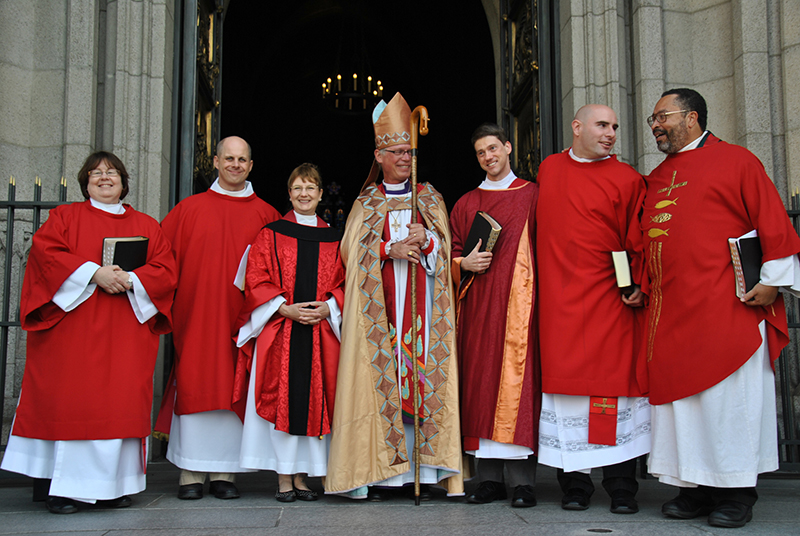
(247,191)
(302,219)
(695,144)
(502,184)
(586,160)
(114,208)
(397,189)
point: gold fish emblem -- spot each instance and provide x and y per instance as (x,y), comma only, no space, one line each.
(666,203)
(661,218)
(655,233)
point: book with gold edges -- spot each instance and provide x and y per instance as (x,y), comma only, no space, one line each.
(484,228)
(127,252)
(746,260)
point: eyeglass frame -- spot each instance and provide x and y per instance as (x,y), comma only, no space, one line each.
(107,173)
(653,118)
(399,153)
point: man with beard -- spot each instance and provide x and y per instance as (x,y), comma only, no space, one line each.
(710,353)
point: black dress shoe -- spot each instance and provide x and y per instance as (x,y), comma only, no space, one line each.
(222,489)
(285,496)
(119,502)
(306,494)
(523,497)
(730,514)
(575,499)
(425,493)
(60,505)
(487,492)
(685,507)
(623,502)
(378,494)
(190,492)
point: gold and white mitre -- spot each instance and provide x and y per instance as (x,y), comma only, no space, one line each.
(392,122)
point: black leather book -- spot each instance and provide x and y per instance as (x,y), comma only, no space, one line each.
(127,252)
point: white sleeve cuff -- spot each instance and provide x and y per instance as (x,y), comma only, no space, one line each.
(784,273)
(258,319)
(335,318)
(142,306)
(77,288)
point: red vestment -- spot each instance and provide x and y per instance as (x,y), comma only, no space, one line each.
(209,234)
(699,332)
(296,378)
(590,341)
(89,372)
(499,361)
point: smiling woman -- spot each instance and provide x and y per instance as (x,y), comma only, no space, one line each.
(91,347)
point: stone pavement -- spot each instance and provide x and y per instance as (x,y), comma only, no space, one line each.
(157,511)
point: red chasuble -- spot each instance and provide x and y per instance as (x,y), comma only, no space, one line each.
(590,340)
(89,372)
(499,361)
(698,331)
(209,234)
(296,377)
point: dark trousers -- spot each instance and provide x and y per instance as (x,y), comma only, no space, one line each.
(618,476)
(520,472)
(714,496)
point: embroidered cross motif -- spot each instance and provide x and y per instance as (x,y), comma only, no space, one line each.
(672,186)
(604,405)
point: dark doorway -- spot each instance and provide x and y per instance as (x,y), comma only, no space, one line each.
(277,54)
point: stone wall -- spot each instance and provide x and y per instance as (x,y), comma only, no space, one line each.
(78,76)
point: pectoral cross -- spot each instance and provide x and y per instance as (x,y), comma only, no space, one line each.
(604,405)
(672,186)
(396,224)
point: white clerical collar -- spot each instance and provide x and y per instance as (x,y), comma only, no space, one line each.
(695,143)
(502,184)
(247,191)
(397,189)
(302,219)
(586,160)
(114,208)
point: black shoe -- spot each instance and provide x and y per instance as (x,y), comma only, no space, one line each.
(523,497)
(378,494)
(685,507)
(730,514)
(623,502)
(425,493)
(119,502)
(222,489)
(306,494)
(285,496)
(190,492)
(60,505)
(487,492)
(575,499)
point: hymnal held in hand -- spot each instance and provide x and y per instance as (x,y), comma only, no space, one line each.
(127,252)
(746,259)
(622,268)
(484,228)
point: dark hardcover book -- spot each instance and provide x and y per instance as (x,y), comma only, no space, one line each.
(127,252)
(746,258)
(484,228)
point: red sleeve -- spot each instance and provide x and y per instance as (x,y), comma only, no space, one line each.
(50,263)
(160,278)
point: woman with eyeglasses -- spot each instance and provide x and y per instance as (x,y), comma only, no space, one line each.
(92,338)
(289,340)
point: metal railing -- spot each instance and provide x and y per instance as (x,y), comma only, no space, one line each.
(12,206)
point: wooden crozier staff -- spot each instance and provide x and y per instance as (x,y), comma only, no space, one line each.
(419,125)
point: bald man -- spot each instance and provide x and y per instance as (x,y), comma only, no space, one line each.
(210,232)
(593,377)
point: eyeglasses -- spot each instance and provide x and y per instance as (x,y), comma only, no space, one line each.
(299,189)
(662,116)
(399,153)
(108,173)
